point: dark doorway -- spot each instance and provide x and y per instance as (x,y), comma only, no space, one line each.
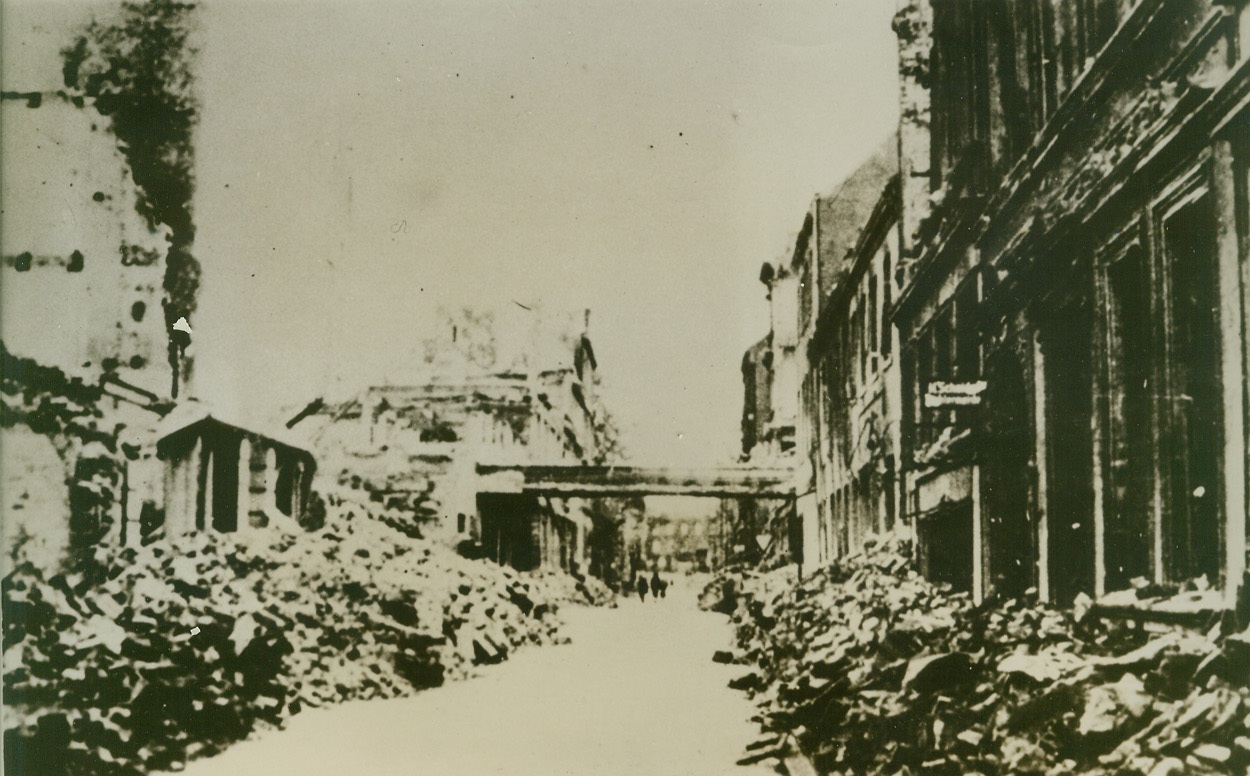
(1196,442)
(946,545)
(1129,446)
(225,495)
(284,488)
(1005,451)
(507,529)
(1066,348)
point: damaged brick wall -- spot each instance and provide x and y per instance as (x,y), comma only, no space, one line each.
(96,191)
(62,468)
(137,72)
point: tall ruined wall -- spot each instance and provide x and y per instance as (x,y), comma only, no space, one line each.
(136,68)
(81,276)
(913,24)
(95,232)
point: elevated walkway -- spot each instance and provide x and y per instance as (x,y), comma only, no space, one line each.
(565,481)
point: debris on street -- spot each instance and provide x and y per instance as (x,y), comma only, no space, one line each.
(172,650)
(865,667)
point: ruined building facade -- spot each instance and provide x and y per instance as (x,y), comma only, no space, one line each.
(499,389)
(851,386)
(1060,258)
(1086,246)
(95,273)
(827,303)
(84,341)
(86,376)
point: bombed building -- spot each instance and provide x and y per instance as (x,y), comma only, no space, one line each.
(1074,312)
(502,388)
(850,386)
(1028,348)
(90,360)
(816,386)
(98,291)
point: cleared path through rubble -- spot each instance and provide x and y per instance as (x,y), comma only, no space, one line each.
(635,694)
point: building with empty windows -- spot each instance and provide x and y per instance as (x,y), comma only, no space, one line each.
(1074,318)
(504,388)
(1030,350)
(87,372)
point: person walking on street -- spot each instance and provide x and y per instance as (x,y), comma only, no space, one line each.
(642,588)
(657,586)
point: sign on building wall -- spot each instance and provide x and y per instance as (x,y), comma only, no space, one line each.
(954,394)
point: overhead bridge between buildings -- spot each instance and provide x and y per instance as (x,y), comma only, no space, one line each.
(600,481)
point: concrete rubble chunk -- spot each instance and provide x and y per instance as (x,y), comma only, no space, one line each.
(1042,668)
(1213,753)
(1110,707)
(1168,766)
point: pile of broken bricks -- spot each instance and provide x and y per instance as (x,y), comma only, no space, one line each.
(152,655)
(866,668)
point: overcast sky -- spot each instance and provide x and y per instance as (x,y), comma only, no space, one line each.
(361,164)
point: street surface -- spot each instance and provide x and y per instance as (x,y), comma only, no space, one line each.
(635,694)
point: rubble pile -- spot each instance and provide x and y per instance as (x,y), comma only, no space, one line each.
(867,668)
(722,593)
(172,650)
(581,589)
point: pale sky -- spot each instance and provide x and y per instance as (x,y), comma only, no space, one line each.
(360,164)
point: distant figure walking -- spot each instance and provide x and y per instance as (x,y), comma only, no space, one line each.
(657,585)
(642,588)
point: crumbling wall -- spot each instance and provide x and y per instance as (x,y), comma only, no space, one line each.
(36,500)
(42,401)
(81,271)
(137,71)
(913,24)
(83,231)
(408,447)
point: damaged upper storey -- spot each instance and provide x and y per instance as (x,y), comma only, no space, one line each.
(82,271)
(1054,398)
(1083,263)
(90,184)
(494,388)
(828,299)
(802,284)
(92,266)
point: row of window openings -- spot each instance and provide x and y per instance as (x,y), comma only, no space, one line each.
(852,513)
(1159,406)
(1045,48)
(866,340)
(947,351)
(23,262)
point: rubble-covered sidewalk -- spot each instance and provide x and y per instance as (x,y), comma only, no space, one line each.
(152,655)
(865,667)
